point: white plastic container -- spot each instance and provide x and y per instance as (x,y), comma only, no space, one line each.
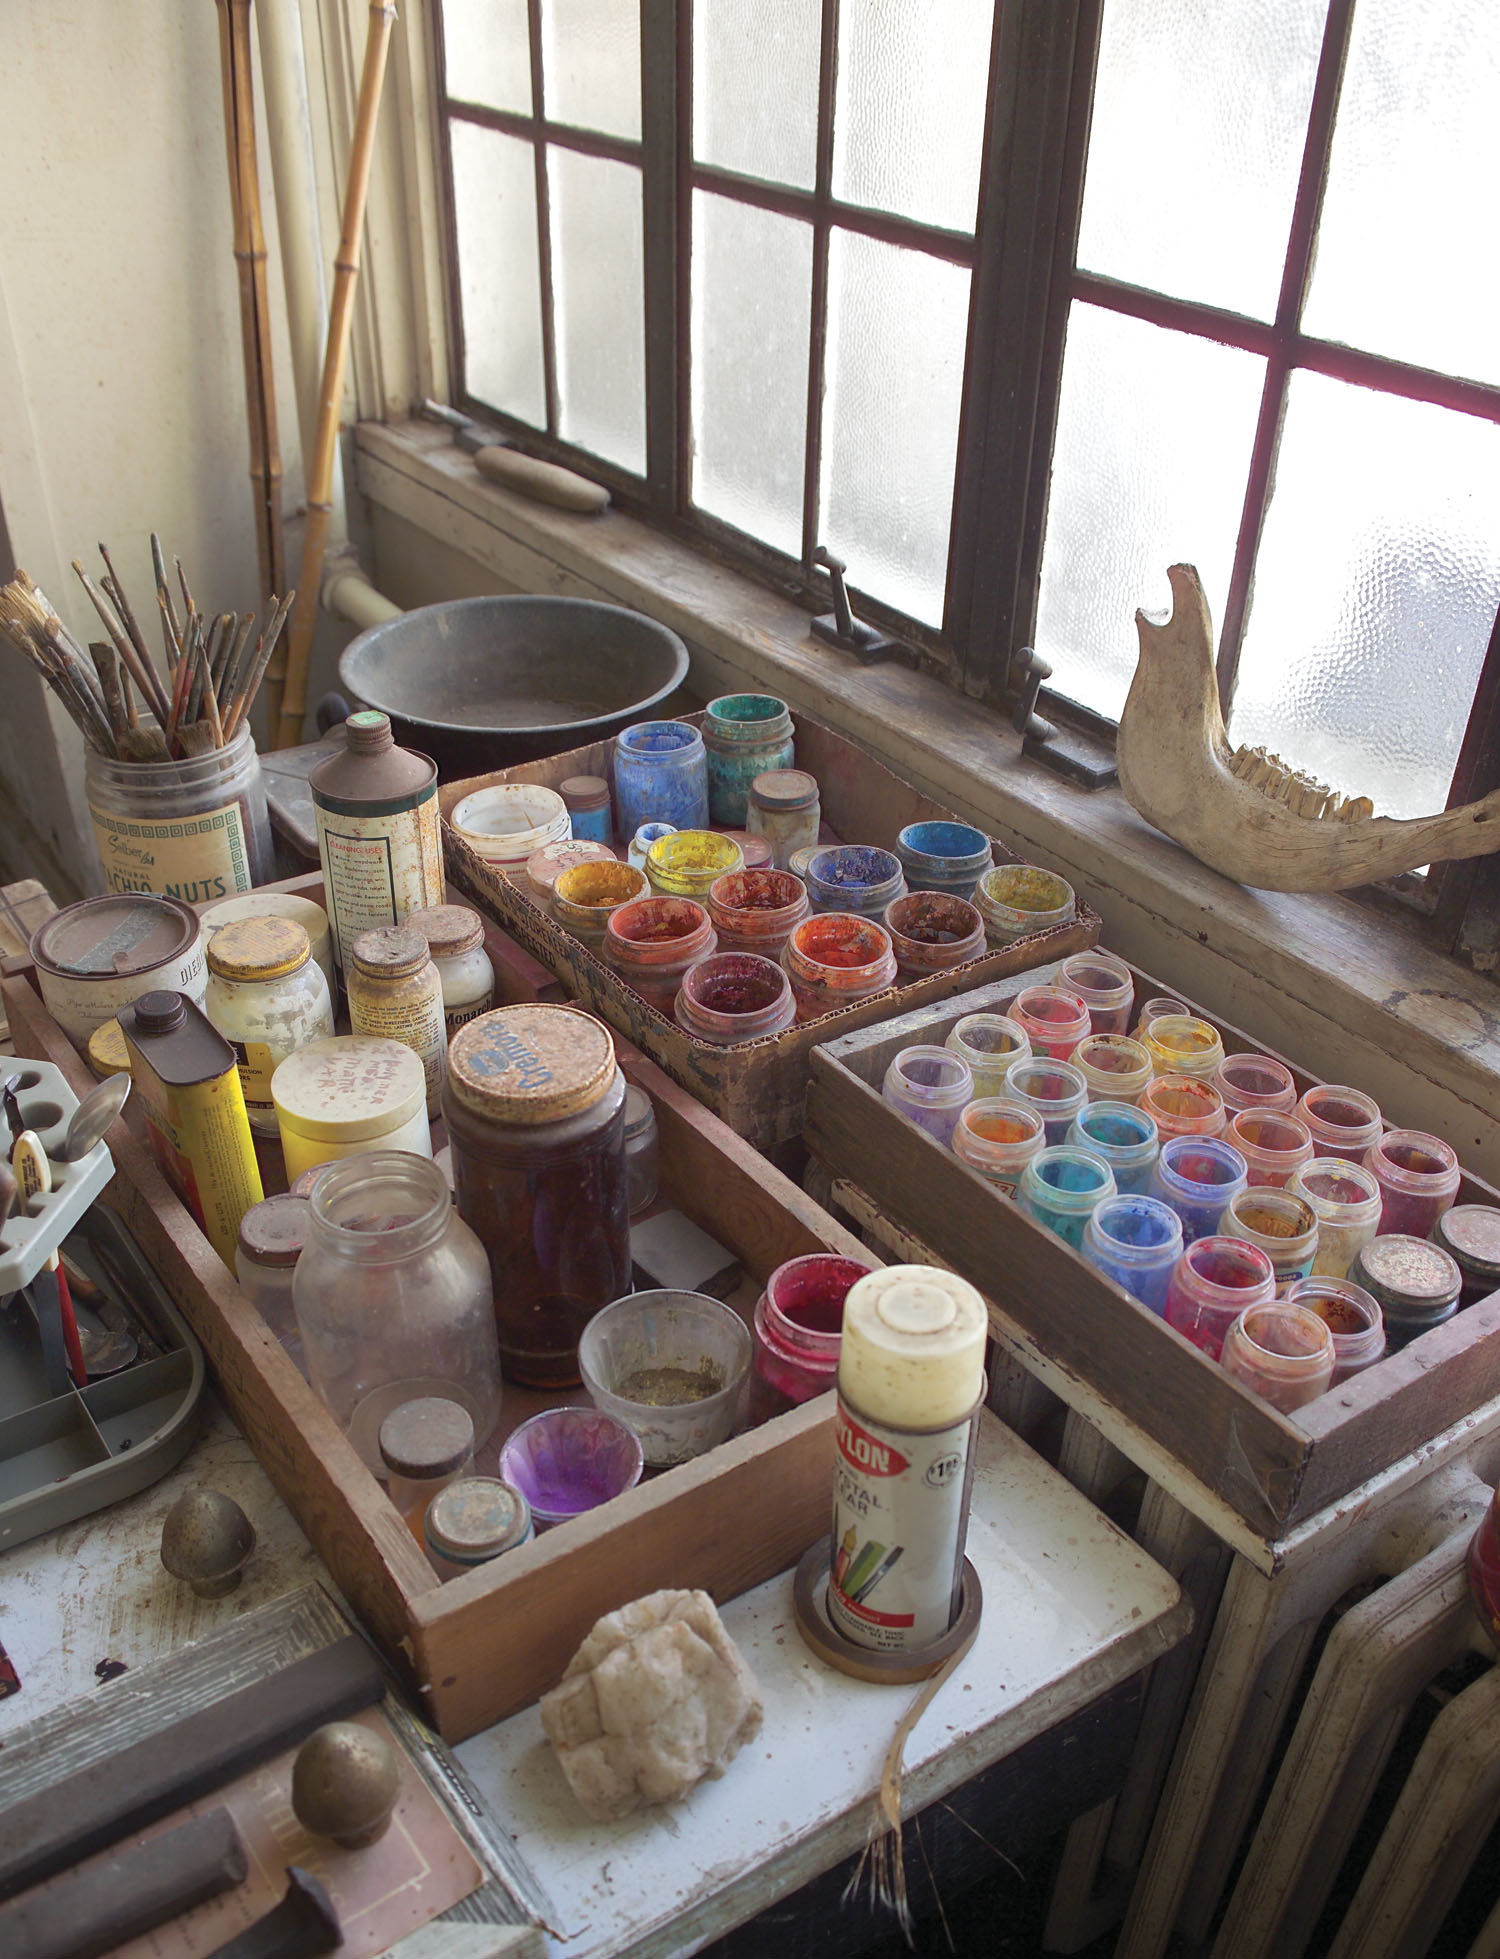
(344,1096)
(506,822)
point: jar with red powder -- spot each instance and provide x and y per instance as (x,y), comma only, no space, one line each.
(836,960)
(798,1329)
(652,942)
(734,996)
(757,911)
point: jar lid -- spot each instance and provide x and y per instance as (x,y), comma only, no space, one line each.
(639,1114)
(367,731)
(107,1051)
(448,929)
(274,1231)
(1403,1271)
(784,789)
(545,866)
(115,937)
(388,951)
(430,1436)
(799,860)
(258,949)
(531,1064)
(1471,1232)
(347,1088)
(584,791)
(306,1183)
(477,1517)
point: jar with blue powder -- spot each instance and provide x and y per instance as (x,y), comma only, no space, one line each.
(661,776)
(1061,1188)
(1200,1177)
(949,857)
(855,877)
(1124,1136)
(1136,1241)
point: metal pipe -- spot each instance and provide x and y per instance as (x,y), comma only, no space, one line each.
(348,594)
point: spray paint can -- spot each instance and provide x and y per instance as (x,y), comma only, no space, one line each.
(910,1387)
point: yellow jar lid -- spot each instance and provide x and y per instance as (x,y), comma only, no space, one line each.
(107,1051)
(531,1064)
(258,949)
(348,1088)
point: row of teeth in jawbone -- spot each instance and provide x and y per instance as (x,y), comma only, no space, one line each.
(1302,793)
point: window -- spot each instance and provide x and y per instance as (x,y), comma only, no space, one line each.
(1011,307)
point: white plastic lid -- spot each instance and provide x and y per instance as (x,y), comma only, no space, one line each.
(349,1088)
(913,1348)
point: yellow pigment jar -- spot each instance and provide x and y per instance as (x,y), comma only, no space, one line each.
(686,863)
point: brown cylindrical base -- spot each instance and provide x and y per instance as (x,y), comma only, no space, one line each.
(809,1596)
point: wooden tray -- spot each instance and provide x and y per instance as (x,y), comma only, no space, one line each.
(760,1087)
(481,1646)
(1142,1377)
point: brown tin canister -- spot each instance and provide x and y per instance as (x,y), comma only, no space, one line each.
(379,837)
(535,1109)
(94,957)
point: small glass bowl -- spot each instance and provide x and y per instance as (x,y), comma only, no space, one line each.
(568,1460)
(685,1340)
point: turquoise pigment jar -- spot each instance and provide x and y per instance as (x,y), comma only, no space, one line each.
(745,735)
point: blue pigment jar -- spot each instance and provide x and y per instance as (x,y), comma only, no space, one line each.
(746,735)
(1062,1186)
(1199,1176)
(661,776)
(949,857)
(855,877)
(1136,1241)
(1124,1136)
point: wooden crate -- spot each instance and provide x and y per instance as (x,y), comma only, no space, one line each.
(759,1087)
(481,1646)
(1140,1377)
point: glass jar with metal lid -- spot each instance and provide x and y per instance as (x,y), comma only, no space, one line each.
(271,1240)
(784,808)
(268,997)
(1470,1233)
(535,1109)
(395,994)
(455,938)
(425,1444)
(1415,1283)
(587,798)
(472,1521)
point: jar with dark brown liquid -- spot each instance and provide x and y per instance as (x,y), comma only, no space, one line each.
(535,1109)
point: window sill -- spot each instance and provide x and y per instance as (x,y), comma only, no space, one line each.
(1319,978)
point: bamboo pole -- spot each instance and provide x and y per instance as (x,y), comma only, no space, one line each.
(293,693)
(255,312)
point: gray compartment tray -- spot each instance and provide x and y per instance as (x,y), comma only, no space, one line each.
(63,1457)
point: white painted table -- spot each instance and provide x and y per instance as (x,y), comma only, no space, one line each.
(1071,1609)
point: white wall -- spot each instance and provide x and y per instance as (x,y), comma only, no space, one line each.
(122,406)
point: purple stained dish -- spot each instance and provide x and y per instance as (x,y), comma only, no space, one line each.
(568,1460)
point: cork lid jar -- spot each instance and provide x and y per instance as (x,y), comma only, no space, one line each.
(531,1065)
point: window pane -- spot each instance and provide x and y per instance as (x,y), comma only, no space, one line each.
(755,87)
(752,274)
(1199,119)
(1406,261)
(1153,446)
(487,53)
(896,328)
(591,64)
(494,198)
(599,308)
(1375,591)
(908,123)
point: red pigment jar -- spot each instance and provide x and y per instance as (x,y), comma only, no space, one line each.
(1255,1081)
(835,960)
(1342,1121)
(1274,1146)
(1418,1177)
(1215,1280)
(1182,1106)
(799,1322)
(733,997)
(1052,1020)
(651,943)
(757,911)
(932,932)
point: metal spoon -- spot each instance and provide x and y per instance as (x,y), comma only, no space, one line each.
(93,1116)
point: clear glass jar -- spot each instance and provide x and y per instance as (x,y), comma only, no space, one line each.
(991,1044)
(1282,1353)
(1212,1284)
(798,1331)
(205,817)
(1053,1021)
(661,776)
(1136,1241)
(271,1239)
(1274,1145)
(1159,1005)
(784,808)
(1418,1177)
(855,878)
(535,1108)
(395,994)
(455,939)
(1347,1200)
(835,960)
(425,1445)
(1181,1106)
(268,997)
(1284,1225)
(929,1086)
(944,856)
(1255,1081)
(933,932)
(732,997)
(686,863)
(1016,900)
(998,1139)
(1351,1316)
(1116,1068)
(1054,1089)
(641,1150)
(1061,1187)
(757,911)
(1198,1176)
(1181,1044)
(586,895)
(652,943)
(394,1298)
(1124,1136)
(1341,1121)
(1105,985)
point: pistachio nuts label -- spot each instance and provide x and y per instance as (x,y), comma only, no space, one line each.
(195,858)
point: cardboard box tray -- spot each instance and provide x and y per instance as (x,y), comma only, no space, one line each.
(1271,1471)
(481,1646)
(760,1087)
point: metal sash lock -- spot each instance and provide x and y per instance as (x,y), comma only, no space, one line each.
(840,628)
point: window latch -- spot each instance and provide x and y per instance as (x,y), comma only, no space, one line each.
(1070,753)
(840,628)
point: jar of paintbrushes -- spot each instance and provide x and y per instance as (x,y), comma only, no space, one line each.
(171,773)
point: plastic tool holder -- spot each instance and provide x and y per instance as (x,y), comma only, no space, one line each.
(33,1232)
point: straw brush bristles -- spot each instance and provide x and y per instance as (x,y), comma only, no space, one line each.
(211,676)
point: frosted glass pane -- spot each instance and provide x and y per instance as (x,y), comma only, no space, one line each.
(1407,263)
(1199,120)
(897,323)
(1153,446)
(494,197)
(752,279)
(908,125)
(1375,592)
(755,88)
(591,64)
(598,305)
(487,53)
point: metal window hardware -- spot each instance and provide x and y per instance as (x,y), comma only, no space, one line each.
(1067,753)
(840,628)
